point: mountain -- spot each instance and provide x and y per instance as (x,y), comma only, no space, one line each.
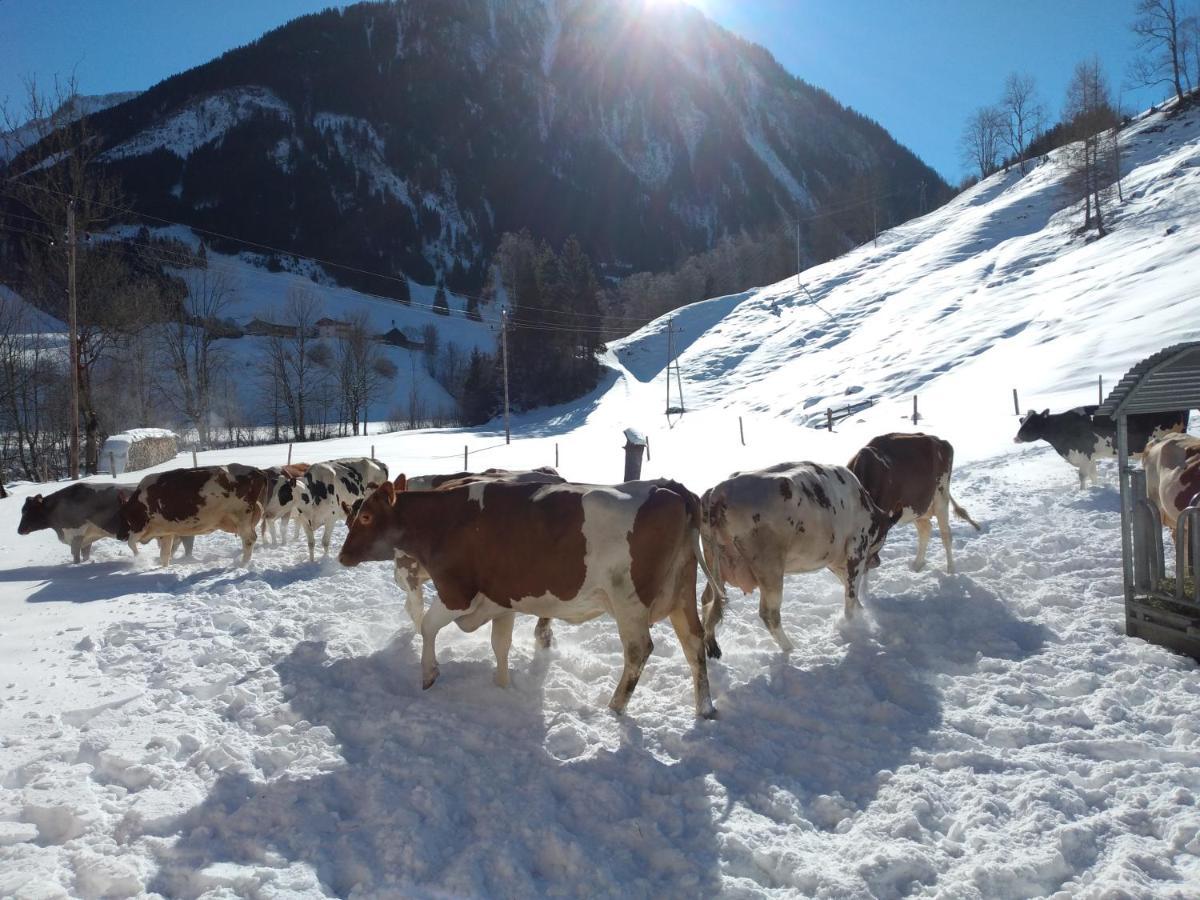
(409,136)
(26,134)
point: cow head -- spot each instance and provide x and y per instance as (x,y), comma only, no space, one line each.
(1033,427)
(374,531)
(34,515)
(881,524)
(133,517)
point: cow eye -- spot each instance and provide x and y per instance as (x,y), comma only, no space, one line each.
(365,518)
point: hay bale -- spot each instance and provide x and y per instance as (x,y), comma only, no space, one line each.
(138,448)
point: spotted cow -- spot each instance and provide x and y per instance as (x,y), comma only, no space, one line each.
(564,551)
(335,490)
(1081,438)
(185,502)
(409,575)
(287,497)
(909,475)
(1172,465)
(789,518)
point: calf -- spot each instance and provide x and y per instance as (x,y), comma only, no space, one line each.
(336,489)
(909,475)
(80,515)
(1172,466)
(1082,438)
(564,551)
(185,502)
(791,517)
(408,572)
(287,496)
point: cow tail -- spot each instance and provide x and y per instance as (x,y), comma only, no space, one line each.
(963,514)
(696,512)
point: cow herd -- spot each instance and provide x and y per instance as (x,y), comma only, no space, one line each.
(498,543)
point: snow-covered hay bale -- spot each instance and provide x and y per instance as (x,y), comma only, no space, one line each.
(138,448)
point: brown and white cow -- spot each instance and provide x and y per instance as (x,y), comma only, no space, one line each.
(1172,466)
(409,575)
(184,502)
(909,474)
(563,551)
(789,518)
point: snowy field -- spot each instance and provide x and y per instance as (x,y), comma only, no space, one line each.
(211,730)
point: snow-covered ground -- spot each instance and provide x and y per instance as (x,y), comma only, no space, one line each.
(209,729)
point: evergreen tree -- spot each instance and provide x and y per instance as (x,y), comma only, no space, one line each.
(440,306)
(478,401)
(403,292)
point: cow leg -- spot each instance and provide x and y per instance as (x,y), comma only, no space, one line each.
(284,519)
(924,530)
(634,628)
(854,578)
(310,534)
(415,606)
(686,622)
(265,520)
(166,546)
(326,535)
(435,619)
(86,550)
(76,548)
(713,603)
(248,535)
(189,544)
(943,518)
(502,629)
(543,634)
(770,600)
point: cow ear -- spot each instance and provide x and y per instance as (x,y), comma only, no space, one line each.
(346,508)
(389,489)
(1046,412)
(401,482)
(122,496)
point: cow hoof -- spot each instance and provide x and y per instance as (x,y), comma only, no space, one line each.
(428,680)
(712,649)
(918,566)
(709,712)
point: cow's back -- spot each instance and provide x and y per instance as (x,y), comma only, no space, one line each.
(196,501)
(1172,466)
(901,471)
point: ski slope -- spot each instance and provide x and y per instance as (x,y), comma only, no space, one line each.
(210,730)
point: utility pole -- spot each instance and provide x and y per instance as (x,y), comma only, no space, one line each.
(504,353)
(797,253)
(668,370)
(73,340)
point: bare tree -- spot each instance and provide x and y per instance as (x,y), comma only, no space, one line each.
(360,370)
(1092,123)
(981,139)
(190,349)
(291,365)
(1023,113)
(33,414)
(50,164)
(1161,30)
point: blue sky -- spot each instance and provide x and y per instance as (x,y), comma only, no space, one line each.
(917,66)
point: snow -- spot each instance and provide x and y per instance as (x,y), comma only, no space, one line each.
(210,730)
(85,105)
(201,122)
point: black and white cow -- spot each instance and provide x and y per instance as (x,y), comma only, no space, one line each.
(79,514)
(1081,438)
(335,490)
(287,498)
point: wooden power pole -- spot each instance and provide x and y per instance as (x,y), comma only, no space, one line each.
(504,354)
(73,340)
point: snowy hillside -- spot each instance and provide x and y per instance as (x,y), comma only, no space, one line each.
(24,135)
(210,730)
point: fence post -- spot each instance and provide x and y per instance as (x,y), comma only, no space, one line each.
(372,451)
(635,443)
(647,448)
(1101,400)
(112,464)
(465,468)
(289,453)
(195,464)
(916,415)
(1016,404)
(829,418)
(556,456)
(741,431)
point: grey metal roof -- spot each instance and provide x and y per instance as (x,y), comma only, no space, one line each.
(1168,380)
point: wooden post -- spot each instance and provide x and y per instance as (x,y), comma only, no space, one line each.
(556,456)
(1101,400)
(829,419)
(112,464)
(465,469)
(1016,404)
(647,448)
(289,453)
(195,465)
(915,414)
(372,451)
(741,431)
(635,443)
